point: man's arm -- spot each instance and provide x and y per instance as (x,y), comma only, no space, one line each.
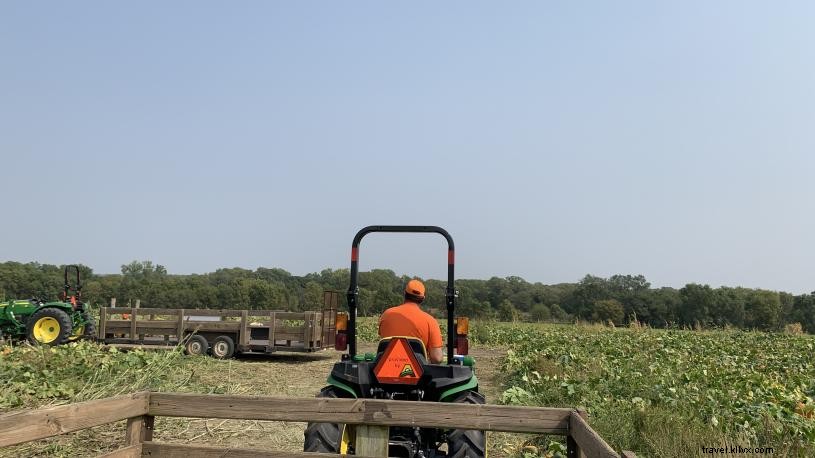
(436,355)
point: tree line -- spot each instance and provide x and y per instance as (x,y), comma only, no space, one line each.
(619,299)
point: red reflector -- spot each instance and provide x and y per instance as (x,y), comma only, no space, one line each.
(398,364)
(354,254)
(462,346)
(341,342)
(451,257)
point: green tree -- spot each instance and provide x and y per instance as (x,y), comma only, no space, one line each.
(540,312)
(763,310)
(507,311)
(608,310)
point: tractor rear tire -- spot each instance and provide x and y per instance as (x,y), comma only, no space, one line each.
(87,331)
(49,326)
(324,437)
(90,326)
(467,443)
(196,345)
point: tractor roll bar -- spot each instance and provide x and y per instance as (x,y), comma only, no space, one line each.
(353,289)
(77,286)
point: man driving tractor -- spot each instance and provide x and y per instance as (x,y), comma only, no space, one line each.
(409,320)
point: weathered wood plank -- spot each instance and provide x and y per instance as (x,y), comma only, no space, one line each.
(133,451)
(139,429)
(163,450)
(133,324)
(142,311)
(244,332)
(628,454)
(363,411)
(372,440)
(588,441)
(24,426)
(103,318)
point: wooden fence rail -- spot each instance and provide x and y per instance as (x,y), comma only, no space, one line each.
(377,415)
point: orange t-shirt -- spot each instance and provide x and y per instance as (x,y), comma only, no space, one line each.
(410,321)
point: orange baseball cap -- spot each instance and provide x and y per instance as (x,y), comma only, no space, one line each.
(415,287)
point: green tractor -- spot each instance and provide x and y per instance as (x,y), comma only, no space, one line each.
(400,370)
(49,323)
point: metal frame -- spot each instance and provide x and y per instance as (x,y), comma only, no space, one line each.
(353,289)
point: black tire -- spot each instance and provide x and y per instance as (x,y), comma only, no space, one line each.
(86,331)
(62,327)
(324,437)
(90,326)
(223,347)
(196,345)
(468,443)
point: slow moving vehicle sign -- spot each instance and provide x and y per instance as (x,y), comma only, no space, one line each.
(398,364)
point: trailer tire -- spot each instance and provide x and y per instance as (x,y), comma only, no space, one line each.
(223,347)
(467,443)
(324,437)
(49,326)
(196,345)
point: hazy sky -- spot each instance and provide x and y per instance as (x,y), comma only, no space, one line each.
(551,139)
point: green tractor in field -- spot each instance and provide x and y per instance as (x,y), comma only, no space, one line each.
(49,323)
(400,370)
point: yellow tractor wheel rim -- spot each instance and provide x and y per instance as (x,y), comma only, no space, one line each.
(79,331)
(46,330)
(347,439)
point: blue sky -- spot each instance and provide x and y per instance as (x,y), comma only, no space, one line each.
(551,139)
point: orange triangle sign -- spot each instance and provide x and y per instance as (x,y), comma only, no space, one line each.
(398,364)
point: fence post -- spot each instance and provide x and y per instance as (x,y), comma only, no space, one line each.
(133,335)
(180,331)
(572,450)
(103,324)
(139,429)
(372,440)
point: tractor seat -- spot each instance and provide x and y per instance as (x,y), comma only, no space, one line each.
(415,344)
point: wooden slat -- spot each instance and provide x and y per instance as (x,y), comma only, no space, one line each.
(244,332)
(24,426)
(588,441)
(372,440)
(133,324)
(287,315)
(152,449)
(139,429)
(147,345)
(179,331)
(103,318)
(133,451)
(272,325)
(142,311)
(288,335)
(209,312)
(363,411)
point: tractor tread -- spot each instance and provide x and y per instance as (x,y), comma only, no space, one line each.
(468,443)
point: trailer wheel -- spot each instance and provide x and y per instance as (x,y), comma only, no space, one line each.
(223,347)
(196,345)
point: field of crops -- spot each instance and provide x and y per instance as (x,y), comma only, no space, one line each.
(656,392)
(667,393)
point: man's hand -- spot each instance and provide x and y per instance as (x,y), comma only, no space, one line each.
(436,355)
